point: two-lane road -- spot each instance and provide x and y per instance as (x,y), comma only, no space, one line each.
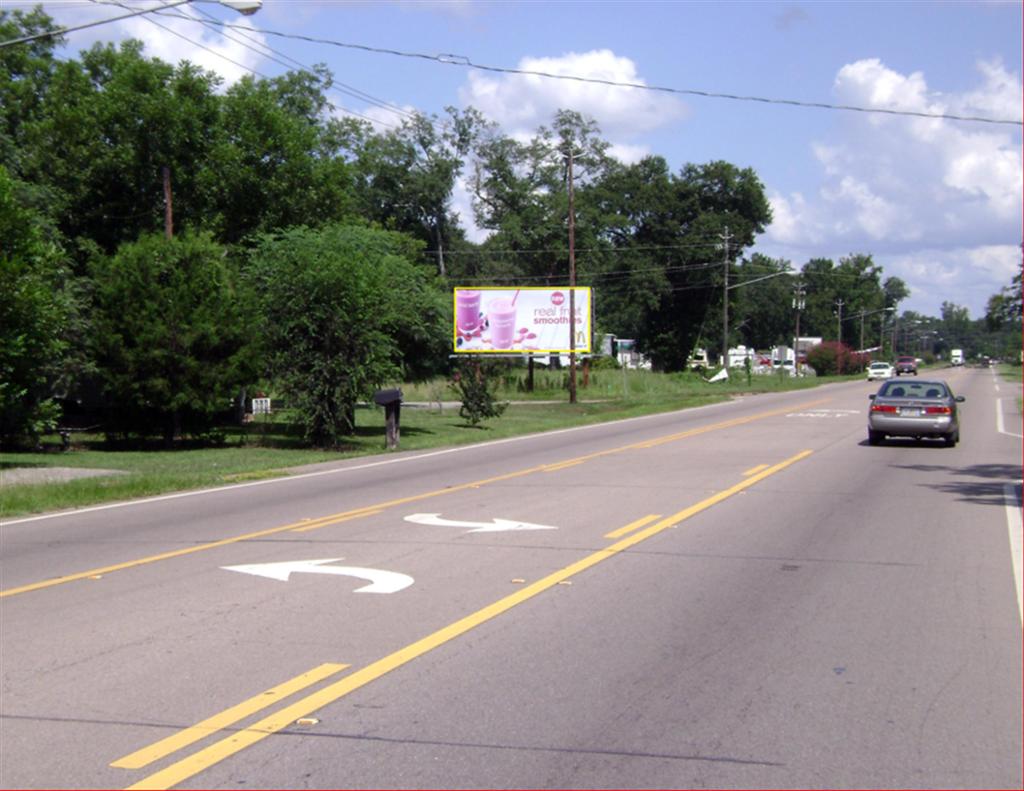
(741,595)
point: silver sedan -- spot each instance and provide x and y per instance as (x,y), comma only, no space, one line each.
(914,409)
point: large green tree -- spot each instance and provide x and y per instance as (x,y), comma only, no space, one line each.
(276,159)
(169,336)
(674,236)
(340,307)
(764,312)
(405,177)
(35,313)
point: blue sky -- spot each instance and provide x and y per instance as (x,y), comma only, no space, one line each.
(936,202)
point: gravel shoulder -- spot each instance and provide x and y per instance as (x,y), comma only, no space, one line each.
(20,475)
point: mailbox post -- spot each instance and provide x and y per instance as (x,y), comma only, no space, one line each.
(391,400)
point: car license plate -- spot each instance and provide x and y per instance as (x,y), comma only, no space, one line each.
(910,412)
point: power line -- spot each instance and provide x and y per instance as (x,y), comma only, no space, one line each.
(230,60)
(463,60)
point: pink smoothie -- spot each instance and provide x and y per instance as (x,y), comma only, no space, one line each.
(501,314)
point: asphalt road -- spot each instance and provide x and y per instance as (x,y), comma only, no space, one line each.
(745,595)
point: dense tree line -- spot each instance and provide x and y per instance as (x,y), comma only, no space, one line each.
(317,254)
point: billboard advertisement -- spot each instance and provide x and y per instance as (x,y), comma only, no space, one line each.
(524,320)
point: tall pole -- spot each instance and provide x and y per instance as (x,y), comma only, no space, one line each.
(725,237)
(798,304)
(168,214)
(861,330)
(572,287)
(839,321)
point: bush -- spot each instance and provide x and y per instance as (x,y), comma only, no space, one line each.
(475,383)
(169,337)
(832,358)
(338,305)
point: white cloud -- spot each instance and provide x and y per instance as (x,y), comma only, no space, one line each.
(965,276)
(172,38)
(891,184)
(521,103)
(232,54)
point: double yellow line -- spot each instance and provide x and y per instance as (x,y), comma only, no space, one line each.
(635,532)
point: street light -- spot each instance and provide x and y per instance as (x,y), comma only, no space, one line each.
(246,7)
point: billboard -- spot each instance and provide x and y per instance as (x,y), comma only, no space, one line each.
(523,320)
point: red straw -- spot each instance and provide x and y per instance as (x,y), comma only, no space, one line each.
(515,297)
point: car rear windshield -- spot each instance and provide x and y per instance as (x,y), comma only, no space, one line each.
(914,390)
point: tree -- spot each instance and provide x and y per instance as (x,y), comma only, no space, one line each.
(705,206)
(25,74)
(405,177)
(169,337)
(764,310)
(334,304)
(35,311)
(274,161)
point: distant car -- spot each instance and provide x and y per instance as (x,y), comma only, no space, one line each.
(880,371)
(918,409)
(906,365)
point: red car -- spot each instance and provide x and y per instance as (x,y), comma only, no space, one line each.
(906,365)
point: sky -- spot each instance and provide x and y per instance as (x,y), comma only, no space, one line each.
(935,201)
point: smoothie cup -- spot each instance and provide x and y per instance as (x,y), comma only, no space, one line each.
(467,310)
(501,314)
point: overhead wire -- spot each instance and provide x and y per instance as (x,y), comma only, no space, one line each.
(463,60)
(249,69)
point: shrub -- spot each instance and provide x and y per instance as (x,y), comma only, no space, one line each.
(832,358)
(475,383)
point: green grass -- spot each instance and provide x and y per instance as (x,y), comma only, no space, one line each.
(1011,373)
(266,448)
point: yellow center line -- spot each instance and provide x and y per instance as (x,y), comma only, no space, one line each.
(201,730)
(348,517)
(752,470)
(333,519)
(219,751)
(632,526)
(562,465)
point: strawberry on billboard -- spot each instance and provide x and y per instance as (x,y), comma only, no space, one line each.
(526,320)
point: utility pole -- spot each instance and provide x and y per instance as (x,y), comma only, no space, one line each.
(725,237)
(572,286)
(839,321)
(168,214)
(798,304)
(861,330)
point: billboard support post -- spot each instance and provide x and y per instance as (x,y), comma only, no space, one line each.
(572,288)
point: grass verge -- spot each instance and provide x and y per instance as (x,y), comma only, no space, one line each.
(266,448)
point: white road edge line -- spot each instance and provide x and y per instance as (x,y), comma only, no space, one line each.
(1015,524)
(336,470)
(1000,426)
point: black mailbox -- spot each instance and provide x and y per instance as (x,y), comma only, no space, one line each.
(391,400)
(385,397)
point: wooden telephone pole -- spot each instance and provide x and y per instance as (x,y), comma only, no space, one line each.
(572,286)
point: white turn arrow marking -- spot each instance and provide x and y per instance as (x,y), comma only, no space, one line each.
(381,581)
(494,526)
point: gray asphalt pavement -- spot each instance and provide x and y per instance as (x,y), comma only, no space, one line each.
(745,595)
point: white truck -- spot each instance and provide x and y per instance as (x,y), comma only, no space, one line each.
(956,356)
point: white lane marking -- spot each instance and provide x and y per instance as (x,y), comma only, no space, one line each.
(336,470)
(494,526)
(381,581)
(1000,426)
(1015,524)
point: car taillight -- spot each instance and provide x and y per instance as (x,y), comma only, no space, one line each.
(882,408)
(938,410)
